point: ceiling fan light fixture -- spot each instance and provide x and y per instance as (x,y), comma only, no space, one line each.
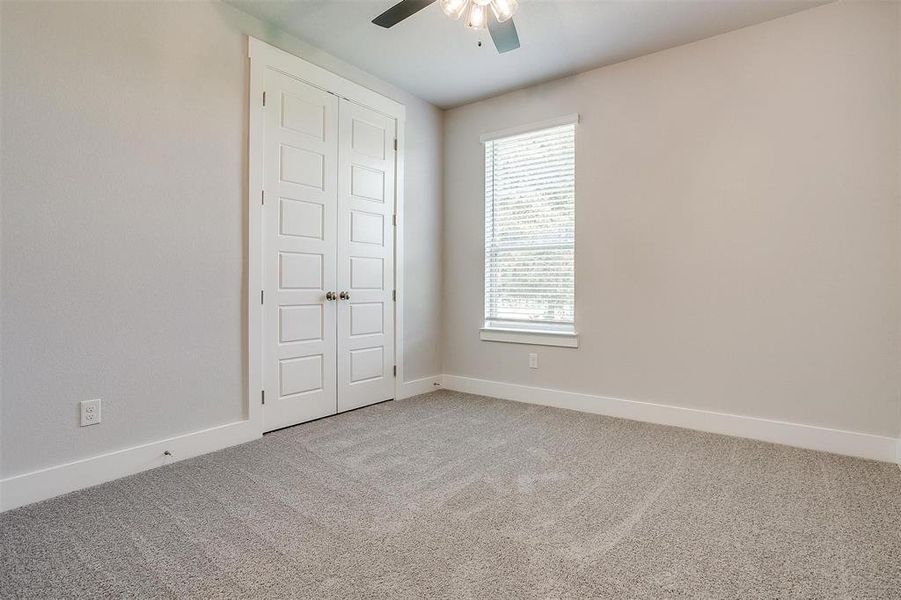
(454,8)
(478,16)
(503,9)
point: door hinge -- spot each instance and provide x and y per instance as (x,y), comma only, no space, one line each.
(395,144)
(395,370)
(264,98)
(263,396)
(261,296)
(394,220)
(263,197)
(394,295)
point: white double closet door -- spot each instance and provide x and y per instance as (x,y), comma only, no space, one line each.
(328,253)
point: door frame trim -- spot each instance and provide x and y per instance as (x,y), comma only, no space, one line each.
(264,56)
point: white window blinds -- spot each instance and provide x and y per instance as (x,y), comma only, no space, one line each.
(530,230)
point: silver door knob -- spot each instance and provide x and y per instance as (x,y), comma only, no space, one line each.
(344,295)
(330,296)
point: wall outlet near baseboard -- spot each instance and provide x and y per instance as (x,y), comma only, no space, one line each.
(90,412)
(533,360)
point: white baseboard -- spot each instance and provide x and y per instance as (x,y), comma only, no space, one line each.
(46,483)
(20,490)
(425,385)
(35,486)
(836,441)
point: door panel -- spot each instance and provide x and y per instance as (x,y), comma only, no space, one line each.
(366,181)
(300,220)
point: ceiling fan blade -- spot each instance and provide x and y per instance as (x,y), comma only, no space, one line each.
(400,11)
(504,35)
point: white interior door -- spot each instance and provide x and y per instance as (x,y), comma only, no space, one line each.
(300,252)
(366,180)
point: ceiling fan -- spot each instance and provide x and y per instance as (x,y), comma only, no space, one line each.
(496,15)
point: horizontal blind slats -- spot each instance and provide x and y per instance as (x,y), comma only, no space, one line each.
(530,227)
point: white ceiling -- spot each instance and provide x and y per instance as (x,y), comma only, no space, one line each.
(438,59)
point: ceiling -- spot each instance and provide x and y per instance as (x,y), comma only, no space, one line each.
(439,60)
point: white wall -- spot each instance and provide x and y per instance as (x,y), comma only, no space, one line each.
(123,214)
(737,225)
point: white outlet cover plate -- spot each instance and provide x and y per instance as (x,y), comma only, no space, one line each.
(90,412)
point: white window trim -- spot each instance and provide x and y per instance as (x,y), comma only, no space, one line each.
(539,334)
(564,339)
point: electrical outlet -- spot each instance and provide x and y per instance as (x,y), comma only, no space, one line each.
(533,360)
(90,412)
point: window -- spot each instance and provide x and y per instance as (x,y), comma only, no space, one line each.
(530,235)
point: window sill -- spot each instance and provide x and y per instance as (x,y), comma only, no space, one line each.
(529,336)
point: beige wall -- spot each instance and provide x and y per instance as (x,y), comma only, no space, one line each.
(737,225)
(123,217)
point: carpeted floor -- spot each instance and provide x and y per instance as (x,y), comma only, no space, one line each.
(458,496)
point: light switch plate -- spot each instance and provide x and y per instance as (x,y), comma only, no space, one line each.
(533,360)
(90,412)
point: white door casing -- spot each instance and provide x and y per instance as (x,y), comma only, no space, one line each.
(299,251)
(366,182)
(277,340)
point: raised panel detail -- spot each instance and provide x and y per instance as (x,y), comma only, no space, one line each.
(368,139)
(299,375)
(300,271)
(367,183)
(366,364)
(302,116)
(367,228)
(302,166)
(366,273)
(300,323)
(366,318)
(300,218)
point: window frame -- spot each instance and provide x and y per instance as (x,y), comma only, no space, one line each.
(537,333)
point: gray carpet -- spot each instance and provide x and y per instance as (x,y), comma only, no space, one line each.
(457,496)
